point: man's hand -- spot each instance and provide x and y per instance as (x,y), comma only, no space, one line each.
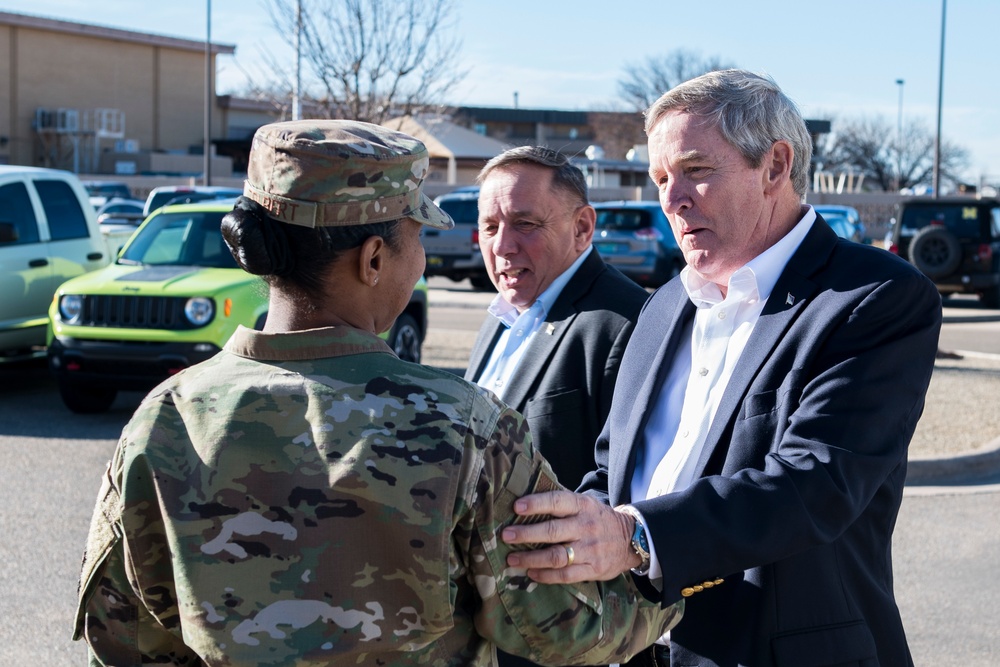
(598,538)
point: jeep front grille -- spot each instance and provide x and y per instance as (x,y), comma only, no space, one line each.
(134,312)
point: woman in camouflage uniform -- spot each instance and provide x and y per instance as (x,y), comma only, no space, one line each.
(307,498)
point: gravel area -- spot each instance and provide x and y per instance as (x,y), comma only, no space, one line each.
(961,414)
(962,411)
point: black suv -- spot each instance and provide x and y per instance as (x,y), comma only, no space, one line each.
(953,241)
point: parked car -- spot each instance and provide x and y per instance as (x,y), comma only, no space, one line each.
(48,234)
(953,241)
(454,253)
(172,299)
(635,238)
(186,194)
(120,213)
(844,220)
(100,192)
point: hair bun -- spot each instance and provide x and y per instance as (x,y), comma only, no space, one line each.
(258,243)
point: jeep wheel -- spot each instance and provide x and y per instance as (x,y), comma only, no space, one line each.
(935,251)
(404,338)
(85,400)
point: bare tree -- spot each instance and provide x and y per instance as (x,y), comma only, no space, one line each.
(871,146)
(643,83)
(369,59)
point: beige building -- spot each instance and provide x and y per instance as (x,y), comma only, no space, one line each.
(93,99)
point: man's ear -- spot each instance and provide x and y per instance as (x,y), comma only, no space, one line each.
(779,165)
(371,260)
(583,227)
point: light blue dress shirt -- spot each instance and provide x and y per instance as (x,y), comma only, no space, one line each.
(521,329)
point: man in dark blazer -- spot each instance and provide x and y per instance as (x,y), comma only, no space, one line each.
(535,217)
(756,449)
(556,332)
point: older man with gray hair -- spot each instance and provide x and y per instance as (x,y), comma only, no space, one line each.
(756,448)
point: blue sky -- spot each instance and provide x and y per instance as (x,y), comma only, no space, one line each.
(838,60)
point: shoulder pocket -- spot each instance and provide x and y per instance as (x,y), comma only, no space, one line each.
(104,533)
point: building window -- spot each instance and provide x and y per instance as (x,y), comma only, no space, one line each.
(479,128)
(573,132)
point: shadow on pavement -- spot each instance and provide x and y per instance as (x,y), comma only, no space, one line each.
(32,407)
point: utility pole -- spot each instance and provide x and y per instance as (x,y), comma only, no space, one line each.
(899,138)
(207,149)
(296,95)
(937,138)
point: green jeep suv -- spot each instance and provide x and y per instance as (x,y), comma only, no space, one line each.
(172,299)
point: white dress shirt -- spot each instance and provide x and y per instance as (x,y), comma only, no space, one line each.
(682,414)
(520,329)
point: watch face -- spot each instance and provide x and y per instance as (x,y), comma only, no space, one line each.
(639,542)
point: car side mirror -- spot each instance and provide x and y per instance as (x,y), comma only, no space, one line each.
(8,233)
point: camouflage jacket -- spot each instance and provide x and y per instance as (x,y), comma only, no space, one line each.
(310,499)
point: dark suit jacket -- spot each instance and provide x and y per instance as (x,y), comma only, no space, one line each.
(803,469)
(564,382)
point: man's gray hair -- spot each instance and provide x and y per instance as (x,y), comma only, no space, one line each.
(750,112)
(565,176)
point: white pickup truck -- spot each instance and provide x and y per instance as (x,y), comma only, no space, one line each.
(48,234)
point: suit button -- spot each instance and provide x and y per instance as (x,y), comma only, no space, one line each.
(687,592)
(718,581)
(698,589)
(708,584)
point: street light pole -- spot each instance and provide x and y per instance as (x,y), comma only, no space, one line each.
(937,138)
(207,148)
(296,94)
(899,138)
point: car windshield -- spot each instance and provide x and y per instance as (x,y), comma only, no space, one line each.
(461,210)
(961,220)
(107,190)
(185,239)
(840,226)
(185,196)
(626,219)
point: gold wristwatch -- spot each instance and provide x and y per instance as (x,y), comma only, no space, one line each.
(640,545)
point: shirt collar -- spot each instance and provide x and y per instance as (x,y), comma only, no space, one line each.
(502,309)
(336,341)
(758,276)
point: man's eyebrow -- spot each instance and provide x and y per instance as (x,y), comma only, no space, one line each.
(684,158)
(518,214)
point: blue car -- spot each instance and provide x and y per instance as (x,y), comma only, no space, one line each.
(844,220)
(635,238)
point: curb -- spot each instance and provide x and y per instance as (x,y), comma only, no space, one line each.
(952,468)
(969,319)
(972,354)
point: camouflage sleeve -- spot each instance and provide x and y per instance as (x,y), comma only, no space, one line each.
(588,623)
(117,625)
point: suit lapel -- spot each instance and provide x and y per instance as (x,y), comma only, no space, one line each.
(546,340)
(659,357)
(485,340)
(788,299)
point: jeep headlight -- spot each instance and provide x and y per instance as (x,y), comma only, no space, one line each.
(199,310)
(70,308)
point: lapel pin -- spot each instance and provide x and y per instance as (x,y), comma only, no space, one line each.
(789,300)
(549,328)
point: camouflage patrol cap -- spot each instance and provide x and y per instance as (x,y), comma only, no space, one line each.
(330,173)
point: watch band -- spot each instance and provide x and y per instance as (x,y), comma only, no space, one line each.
(639,542)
